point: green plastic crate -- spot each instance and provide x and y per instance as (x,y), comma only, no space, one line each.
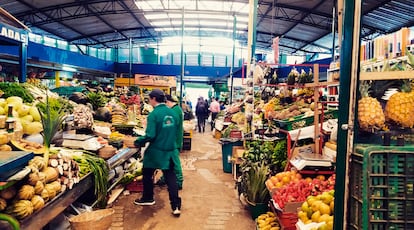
(300,121)
(68,90)
(381,187)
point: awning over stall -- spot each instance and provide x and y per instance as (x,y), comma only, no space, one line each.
(14,33)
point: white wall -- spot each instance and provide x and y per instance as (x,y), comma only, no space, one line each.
(194,93)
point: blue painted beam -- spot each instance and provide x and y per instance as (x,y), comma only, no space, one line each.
(173,70)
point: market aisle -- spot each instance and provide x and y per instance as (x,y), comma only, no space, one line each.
(209,198)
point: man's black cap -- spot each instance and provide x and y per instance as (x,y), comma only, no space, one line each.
(170,98)
(157,93)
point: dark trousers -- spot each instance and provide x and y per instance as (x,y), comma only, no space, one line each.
(170,179)
(213,118)
(201,122)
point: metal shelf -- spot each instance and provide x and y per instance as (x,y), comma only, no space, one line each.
(53,208)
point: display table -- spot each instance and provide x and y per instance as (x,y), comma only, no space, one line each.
(53,208)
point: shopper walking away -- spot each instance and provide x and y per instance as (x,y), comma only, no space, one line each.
(202,114)
(214,109)
(161,133)
(172,103)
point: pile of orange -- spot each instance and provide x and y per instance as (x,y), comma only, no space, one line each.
(281,179)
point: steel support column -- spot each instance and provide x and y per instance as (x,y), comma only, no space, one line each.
(349,59)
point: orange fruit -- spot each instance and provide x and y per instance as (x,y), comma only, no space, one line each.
(320,177)
(285,180)
(279,176)
(274,179)
(278,185)
(298,176)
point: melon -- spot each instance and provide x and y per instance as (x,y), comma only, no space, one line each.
(23,110)
(35,113)
(33,128)
(13,99)
(26,192)
(3,102)
(39,187)
(37,202)
(20,209)
(28,118)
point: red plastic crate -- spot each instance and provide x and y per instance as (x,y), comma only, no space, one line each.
(287,220)
(135,186)
(236,134)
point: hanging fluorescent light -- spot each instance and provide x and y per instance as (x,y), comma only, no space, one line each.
(67,68)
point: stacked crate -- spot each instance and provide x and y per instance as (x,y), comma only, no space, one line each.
(187,140)
(381,188)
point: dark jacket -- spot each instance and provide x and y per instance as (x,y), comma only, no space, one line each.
(201,109)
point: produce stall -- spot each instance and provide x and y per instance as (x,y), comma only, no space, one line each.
(77,154)
(284,129)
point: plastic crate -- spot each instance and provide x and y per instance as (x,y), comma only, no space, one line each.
(381,181)
(298,122)
(186,143)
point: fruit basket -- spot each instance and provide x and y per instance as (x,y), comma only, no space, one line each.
(98,220)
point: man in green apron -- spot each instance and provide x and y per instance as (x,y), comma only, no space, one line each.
(161,133)
(172,103)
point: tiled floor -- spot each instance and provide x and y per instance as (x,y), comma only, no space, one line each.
(209,199)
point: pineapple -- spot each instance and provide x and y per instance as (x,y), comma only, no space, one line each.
(400,107)
(370,114)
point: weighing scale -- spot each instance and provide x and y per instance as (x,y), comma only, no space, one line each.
(311,161)
(87,142)
(12,162)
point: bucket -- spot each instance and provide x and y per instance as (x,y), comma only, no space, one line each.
(257,209)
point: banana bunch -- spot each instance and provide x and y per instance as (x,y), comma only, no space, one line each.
(267,221)
(116,136)
(119,115)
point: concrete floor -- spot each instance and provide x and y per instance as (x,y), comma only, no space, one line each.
(209,198)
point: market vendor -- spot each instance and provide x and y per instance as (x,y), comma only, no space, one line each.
(172,103)
(161,133)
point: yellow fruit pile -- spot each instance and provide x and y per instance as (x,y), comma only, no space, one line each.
(27,116)
(281,179)
(267,221)
(318,209)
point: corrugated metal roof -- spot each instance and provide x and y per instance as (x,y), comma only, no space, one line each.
(303,25)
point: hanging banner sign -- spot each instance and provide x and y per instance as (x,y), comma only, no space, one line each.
(13,33)
(275,47)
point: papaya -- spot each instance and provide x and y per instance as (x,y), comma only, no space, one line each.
(28,146)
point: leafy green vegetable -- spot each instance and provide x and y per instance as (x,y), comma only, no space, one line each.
(16,89)
(52,119)
(96,165)
(96,99)
(254,183)
(56,104)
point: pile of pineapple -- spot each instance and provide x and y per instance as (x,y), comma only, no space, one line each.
(399,108)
